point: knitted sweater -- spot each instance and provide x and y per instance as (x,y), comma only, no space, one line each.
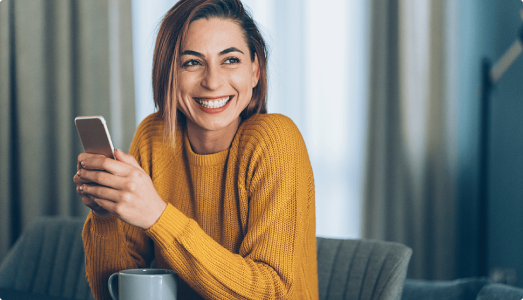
(239,224)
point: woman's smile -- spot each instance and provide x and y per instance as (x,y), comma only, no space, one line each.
(214,105)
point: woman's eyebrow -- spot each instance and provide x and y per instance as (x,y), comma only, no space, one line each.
(228,50)
(231,49)
(191,52)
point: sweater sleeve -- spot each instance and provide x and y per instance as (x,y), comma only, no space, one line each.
(112,245)
(278,178)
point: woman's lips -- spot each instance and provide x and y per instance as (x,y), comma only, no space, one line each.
(214,105)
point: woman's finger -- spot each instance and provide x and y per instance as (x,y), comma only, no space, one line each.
(83,156)
(126,158)
(102,192)
(102,178)
(78,180)
(97,209)
(105,205)
(89,202)
(106,164)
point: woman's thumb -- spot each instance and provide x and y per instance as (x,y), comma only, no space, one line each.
(126,158)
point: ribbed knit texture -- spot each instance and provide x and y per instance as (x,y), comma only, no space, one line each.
(239,224)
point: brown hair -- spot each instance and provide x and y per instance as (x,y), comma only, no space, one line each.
(167,50)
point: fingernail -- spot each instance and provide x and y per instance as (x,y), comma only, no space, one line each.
(82,188)
(82,163)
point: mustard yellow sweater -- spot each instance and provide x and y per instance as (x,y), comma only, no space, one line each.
(239,224)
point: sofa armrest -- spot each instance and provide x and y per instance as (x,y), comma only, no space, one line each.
(497,291)
(459,289)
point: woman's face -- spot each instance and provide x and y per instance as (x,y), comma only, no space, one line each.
(216,75)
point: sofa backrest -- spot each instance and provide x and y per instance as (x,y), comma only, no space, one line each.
(48,259)
(361,269)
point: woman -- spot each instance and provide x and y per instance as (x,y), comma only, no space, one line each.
(214,188)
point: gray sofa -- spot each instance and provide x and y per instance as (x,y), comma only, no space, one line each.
(48,260)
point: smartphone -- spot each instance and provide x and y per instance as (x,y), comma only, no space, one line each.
(94,135)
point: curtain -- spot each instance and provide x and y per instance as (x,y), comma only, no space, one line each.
(58,59)
(410,189)
(146,21)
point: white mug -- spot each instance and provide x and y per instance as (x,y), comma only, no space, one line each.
(142,284)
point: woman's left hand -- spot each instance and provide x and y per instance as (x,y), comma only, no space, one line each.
(125,189)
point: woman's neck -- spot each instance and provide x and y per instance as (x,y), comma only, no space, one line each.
(205,141)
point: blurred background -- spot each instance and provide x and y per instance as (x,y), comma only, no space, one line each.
(386,94)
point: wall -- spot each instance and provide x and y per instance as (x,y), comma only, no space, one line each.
(475,37)
(505,209)
(487,29)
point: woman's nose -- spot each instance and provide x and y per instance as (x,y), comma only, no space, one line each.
(213,79)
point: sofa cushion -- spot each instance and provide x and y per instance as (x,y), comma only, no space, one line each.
(497,291)
(459,289)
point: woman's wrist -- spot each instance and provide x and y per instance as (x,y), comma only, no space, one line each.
(159,211)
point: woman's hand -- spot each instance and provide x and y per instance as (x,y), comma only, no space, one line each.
(123,189)
(88,199)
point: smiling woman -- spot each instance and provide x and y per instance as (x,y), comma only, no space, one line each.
(214,188)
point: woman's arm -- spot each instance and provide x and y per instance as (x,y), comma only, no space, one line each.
(110,244)
(278,251)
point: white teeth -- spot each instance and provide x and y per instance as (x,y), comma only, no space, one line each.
(213,103)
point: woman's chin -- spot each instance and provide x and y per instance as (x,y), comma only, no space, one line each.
(215,123)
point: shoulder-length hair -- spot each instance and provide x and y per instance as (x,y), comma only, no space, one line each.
(167,51)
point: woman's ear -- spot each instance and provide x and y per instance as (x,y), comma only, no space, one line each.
(255,71)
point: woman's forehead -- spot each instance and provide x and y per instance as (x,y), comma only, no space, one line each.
(214,35)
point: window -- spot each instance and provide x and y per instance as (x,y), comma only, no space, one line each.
(317,77)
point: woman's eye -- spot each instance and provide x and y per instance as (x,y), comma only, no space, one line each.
(232,60)
(191,63)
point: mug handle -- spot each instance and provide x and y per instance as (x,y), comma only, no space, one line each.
(113,286)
